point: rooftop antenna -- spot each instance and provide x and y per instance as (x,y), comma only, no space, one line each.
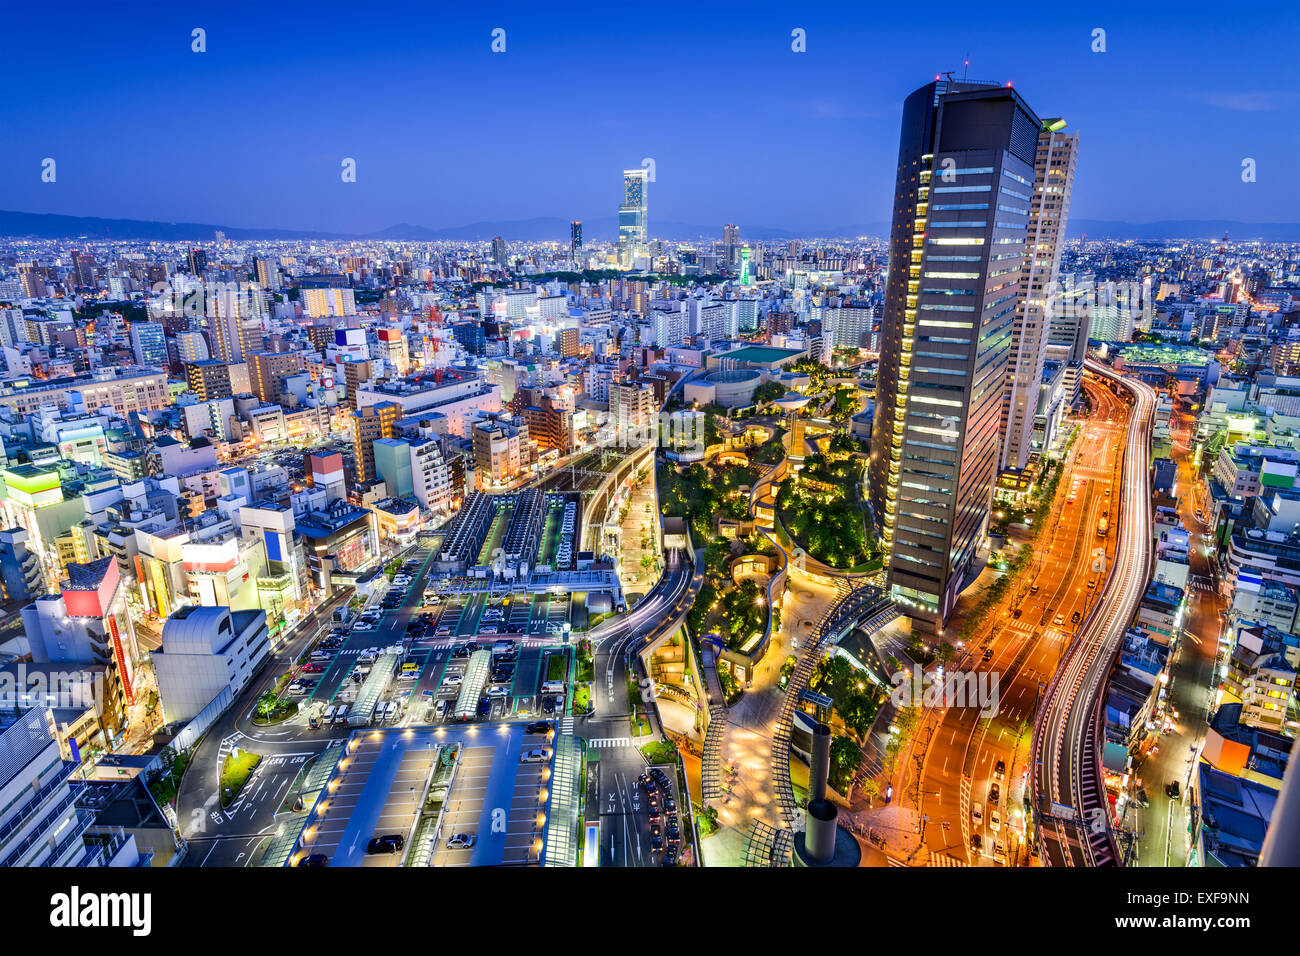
(964,69)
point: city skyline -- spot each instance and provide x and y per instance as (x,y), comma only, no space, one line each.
(739,437)
(803,145)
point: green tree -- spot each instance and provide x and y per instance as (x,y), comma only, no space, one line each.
(846,757)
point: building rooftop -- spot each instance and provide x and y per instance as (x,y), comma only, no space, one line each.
(764,354)
(88,576)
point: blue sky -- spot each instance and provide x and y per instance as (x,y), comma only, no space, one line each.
(445,132)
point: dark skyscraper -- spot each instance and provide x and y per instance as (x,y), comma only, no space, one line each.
(575,238)
(498,250)
(961,212)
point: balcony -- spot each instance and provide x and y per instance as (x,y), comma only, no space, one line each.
(17,817)
(82,820)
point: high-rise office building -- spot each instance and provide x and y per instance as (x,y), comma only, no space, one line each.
(499,251)
(149,344)
(730,243)
(575,238)
(957,243)
(633,230)
(1053,183)
(198,262)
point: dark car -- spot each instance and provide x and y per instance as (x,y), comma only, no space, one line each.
(1172,789)
(1000,769)
(1074,618)
(994,793)
(669,804)
(1016,613)
(484,707)
(674,834)
(654,813)
(656,843)
(538,727)
(389,843)
(988,654)
(314,859)
(670,858)
(976,843)
(460,652)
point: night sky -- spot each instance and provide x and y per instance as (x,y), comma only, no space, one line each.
(444,132)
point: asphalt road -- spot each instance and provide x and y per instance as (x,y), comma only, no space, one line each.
(1066,734)
(963,748)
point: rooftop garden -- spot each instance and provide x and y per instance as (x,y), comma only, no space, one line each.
(822,510)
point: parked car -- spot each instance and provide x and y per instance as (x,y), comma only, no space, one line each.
(538,727)
(460,841)
(389,843)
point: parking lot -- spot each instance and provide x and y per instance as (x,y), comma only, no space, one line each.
(375,791)
(498,798)
(345,643)
(431,631)
(477,614)
(500,801)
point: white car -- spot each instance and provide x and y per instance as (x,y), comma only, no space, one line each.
(536,755)
(995,821)
(460,841)
(976,813)
(452,680)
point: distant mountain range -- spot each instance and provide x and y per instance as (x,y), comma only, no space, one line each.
(48,226)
